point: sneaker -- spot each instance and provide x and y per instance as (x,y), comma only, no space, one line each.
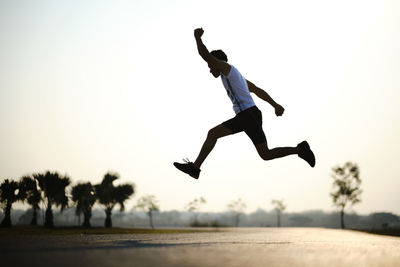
(188,168)
(306,153)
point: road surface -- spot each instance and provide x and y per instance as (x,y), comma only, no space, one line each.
(227,247)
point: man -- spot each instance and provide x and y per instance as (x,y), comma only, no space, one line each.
(248,117)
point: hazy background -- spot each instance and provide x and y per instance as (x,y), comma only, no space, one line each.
(92,86)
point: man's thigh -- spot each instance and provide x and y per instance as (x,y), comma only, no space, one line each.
(235,125)
(256,134)
(221,131)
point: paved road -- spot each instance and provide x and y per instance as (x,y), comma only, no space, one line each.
(230,247)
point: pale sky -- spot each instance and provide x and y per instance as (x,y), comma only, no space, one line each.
(92,86)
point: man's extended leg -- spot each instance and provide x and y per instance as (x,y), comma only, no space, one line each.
(278,152)
(302,150)
(193,168)
(212,137)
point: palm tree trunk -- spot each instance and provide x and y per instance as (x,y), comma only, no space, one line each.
(108,222)
(49,217)
(196,221)
(151,220)
(86,222)
(278,218)
(7,216)
(237,218)
(342,218)
(34,217)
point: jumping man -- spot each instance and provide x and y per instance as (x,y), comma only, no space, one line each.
(248,117)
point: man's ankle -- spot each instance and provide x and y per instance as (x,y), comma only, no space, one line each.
(196,165)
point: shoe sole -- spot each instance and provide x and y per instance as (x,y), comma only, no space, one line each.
(177,165)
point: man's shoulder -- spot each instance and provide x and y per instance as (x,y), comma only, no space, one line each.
(234,72)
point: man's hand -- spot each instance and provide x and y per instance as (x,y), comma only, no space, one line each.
(279,110)
(198,33)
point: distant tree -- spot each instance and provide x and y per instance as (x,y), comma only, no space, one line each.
(109,195)
(53,186)
(149,204)
(237,207)
(9,193)
(279,207)
(346,187)
(30,193)
(83,195)
(193,206)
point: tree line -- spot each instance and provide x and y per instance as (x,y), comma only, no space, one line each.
(50,188)
(346,191)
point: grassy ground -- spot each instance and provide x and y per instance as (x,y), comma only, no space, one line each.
(39,230)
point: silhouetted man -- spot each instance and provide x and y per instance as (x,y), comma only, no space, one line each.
(248,117)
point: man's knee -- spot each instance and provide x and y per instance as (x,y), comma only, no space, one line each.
(264,152)
(213,133)
(217,132)
(266,155)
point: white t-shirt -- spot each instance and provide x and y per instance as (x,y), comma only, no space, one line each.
(237,89)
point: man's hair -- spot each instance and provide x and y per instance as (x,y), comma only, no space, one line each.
(219,54)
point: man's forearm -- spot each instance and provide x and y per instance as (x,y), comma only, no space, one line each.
(265,96)
(202,49)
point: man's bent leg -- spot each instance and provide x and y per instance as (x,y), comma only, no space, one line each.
(278,152)
(212,137)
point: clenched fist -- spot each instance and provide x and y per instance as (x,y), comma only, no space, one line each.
(198,32)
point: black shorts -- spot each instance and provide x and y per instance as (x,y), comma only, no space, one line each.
(249,121)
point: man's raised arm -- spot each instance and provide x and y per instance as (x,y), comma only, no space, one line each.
(213,62)
(203,51)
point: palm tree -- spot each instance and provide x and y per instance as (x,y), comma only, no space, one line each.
(9,193)
(30,193)
(148,203)
(109,195)
(193,206)
(279,208)
(237,207)
(84,198)
(53,187)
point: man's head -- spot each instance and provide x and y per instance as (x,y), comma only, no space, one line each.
(220,55)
